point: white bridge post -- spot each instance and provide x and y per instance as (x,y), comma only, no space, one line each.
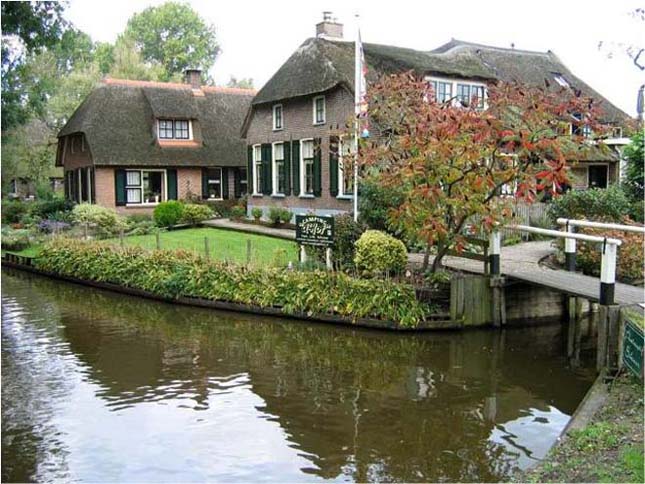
(494,251)
(570,250)
(608,274)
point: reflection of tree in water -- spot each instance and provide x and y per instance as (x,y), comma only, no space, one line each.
(368,404)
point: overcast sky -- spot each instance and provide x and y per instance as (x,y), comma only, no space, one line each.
(256,37)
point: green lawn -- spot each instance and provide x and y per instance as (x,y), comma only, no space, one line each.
(223,245)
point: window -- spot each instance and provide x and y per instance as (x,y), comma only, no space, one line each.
(257,170)
(277,117)
(616,132)
(278,169)
(559,78)
(307,167)
(243,181)
(345,173)
(319,110)
(465,93)
(174,129)
(444,92)
(145,186)
(214,183)
(579,128)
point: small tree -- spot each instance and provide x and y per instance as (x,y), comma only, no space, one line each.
(454,163)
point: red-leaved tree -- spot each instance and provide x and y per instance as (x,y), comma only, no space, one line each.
(455,163)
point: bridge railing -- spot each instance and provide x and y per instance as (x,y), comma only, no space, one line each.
(609,247)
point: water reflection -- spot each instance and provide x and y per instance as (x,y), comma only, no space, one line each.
(125,389)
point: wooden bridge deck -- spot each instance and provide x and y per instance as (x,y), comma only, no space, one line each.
(522,262)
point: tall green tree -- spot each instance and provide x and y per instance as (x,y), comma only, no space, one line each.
(127,63)
(243,83)
(175,36)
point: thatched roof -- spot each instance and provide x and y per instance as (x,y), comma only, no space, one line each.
(118,119)
(322,64)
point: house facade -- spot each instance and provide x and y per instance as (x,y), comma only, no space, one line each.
(133,144)
(296,129)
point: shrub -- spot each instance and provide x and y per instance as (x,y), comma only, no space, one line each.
(256,212)
(346,233)
(593,204)
(13,211)
(180,273)
(275,214)
(195,213)
(285,215)
(168,213)
(222,208)
(50,226)
(380,253)
(15,239)
(47,208)
(375,203)
(104,219)
(237,212)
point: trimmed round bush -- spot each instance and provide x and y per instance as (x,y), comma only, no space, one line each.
(105,219)
(13,211)
(285,215)
(195,213)
(256,212)
(275,214)
(380,253)
(168,213)
(237,212)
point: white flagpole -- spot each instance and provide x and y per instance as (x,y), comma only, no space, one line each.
(358,70)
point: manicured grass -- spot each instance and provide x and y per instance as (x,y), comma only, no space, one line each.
(223,245)
(31,251)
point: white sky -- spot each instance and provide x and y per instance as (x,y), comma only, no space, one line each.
(256,36)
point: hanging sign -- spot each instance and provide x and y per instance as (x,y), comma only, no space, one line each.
(315,230)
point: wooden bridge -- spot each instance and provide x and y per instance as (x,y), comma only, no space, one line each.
(522,262)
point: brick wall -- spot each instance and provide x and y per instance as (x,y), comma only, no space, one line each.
(298,124)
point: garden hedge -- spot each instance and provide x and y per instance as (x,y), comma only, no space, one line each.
(179,273)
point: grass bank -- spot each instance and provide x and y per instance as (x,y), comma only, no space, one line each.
(609,449)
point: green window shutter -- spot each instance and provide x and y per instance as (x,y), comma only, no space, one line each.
(172,184)
(237,189)
(249,168)
(119,187)
(204,183)
(333,165)
(267,180)
(317,169)
(287,167)
(295,166)
(224,183)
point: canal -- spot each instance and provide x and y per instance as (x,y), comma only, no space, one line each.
(98,386)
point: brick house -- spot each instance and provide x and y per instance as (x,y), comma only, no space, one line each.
(133,144)
(295,127)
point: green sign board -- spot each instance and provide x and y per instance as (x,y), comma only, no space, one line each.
(633,348)
(315,230)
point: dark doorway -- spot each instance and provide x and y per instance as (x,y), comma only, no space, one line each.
(598,176)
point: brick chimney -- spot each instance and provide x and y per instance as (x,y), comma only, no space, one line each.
(193,77)
(329,28)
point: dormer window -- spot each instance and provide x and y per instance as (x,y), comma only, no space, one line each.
(461,93)
(174,129)
(559,78)
(277,117)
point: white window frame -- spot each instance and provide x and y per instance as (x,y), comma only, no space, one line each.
(173,120)
(454,82)
(324,111)
(164,195)
(254,166)
(274,169)
(341,170)
(304,194)
(275,118)
(221,182)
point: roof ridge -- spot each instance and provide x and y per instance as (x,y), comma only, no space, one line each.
(463,43)
(176,85)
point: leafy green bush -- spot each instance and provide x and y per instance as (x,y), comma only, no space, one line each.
(593,204)
(634,181)
(375,203)
(15,240)
(195,213)
(275,215)
(380,253)
(181,273)
(285,215)
(168,213)
(13,211)
(222,208)
(346,233)
(104,219)
(48,208)
(237,212)
(256,212)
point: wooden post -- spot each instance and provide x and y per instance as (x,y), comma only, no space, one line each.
(206,250)
(158,240)
(495,248)
(499,301)
(248,252)
(328,258)
(608,330)
(457,299)
(303,254)
(569,249)
(608,274)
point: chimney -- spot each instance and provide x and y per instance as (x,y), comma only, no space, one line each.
(329,28)
(193,77)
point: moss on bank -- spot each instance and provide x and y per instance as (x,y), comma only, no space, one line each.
(609,449)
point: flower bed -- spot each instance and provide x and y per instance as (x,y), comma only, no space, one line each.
(174,274)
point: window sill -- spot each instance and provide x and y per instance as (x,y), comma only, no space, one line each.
(307,195)
(345,197)
(278,129)
(278,195)
(141,205)
(213,199)
(320,124)
(257,195)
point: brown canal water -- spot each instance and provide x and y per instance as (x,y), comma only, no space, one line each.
(98,387)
